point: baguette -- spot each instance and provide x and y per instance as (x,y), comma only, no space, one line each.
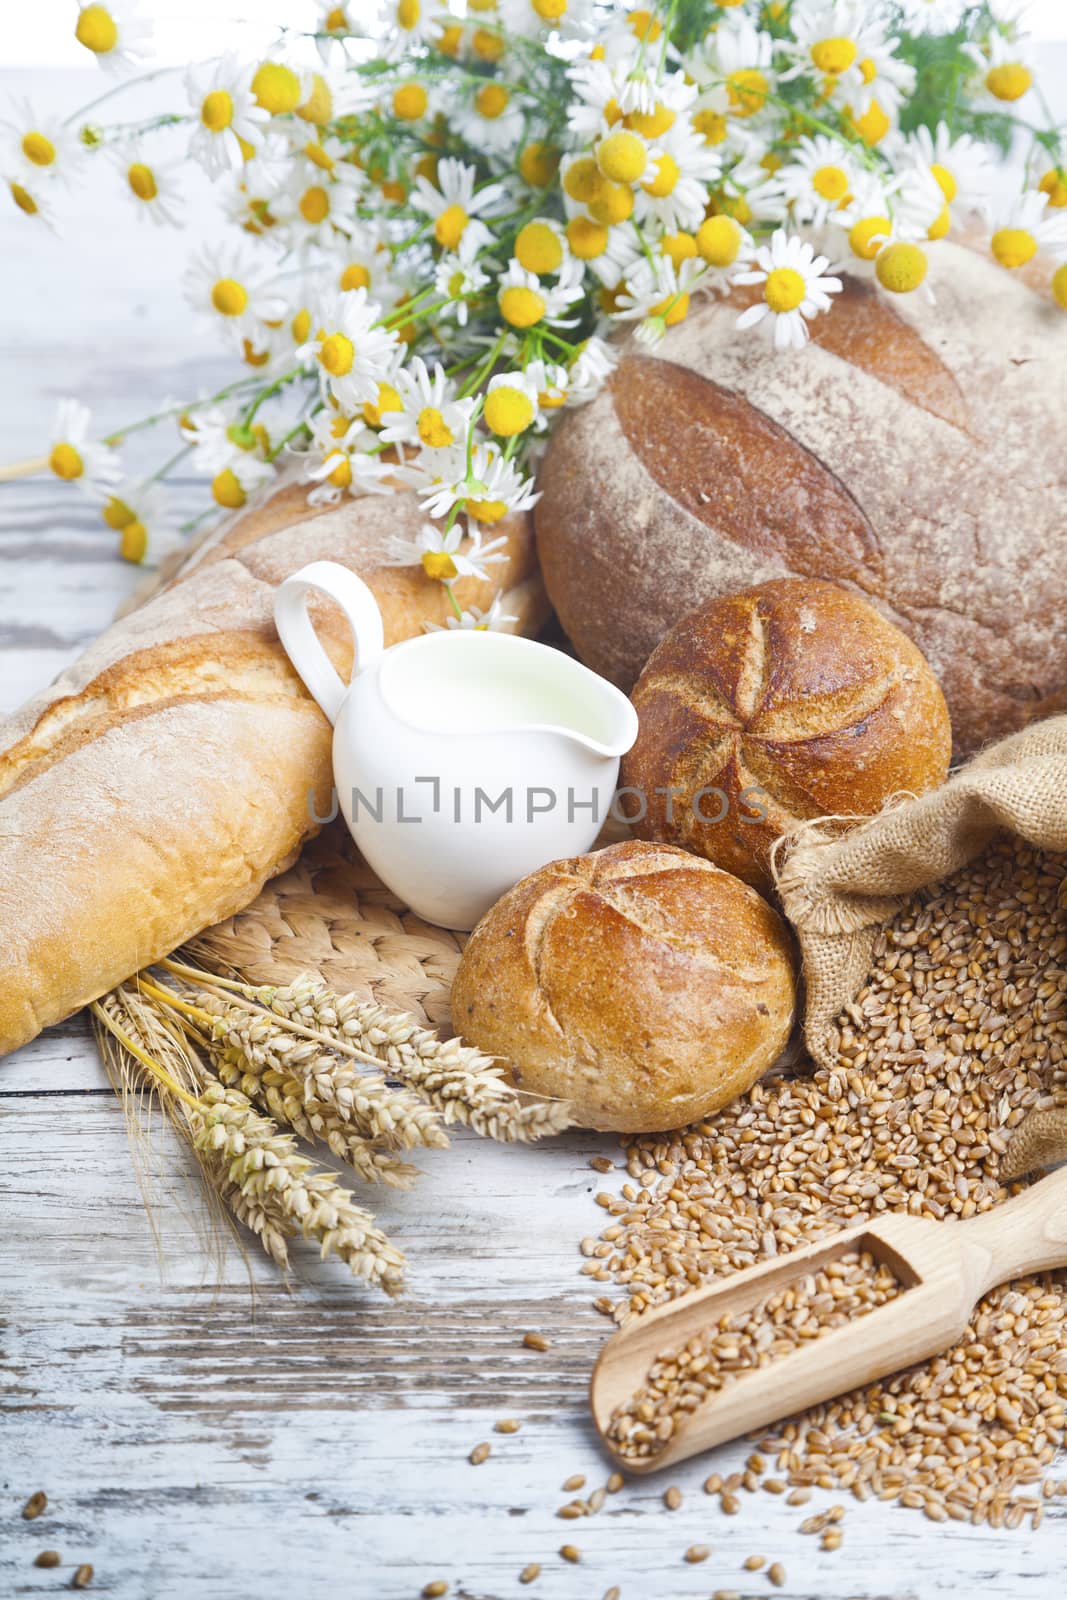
(179,763)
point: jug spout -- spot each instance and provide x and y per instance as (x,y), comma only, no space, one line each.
(605,722)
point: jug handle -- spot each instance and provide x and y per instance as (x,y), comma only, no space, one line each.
(301,641)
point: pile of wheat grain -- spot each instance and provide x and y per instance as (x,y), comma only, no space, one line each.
(960,1030)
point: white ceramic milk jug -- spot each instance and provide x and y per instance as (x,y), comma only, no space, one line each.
(462,759)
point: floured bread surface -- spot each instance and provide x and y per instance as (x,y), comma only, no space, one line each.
(915,453)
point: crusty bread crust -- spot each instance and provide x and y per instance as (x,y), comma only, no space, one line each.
(788,701)
(164,777)
(915,453)
(640,983)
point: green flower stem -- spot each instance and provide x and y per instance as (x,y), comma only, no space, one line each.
(127,83)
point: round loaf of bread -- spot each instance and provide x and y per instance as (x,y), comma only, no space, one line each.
(791,700)
(915,453)
(640,983)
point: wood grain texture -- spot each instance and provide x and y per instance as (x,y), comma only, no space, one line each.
(200,1443)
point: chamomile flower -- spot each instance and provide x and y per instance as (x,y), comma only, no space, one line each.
(115,33)
(830,37)
(1006,75)
(525,299)
(511,403)
(818,179)
(233,486)
(589,371)
(430,415)
(446,554)
(353,352)
(232,293)
(340,460)
(459,281)
(140,514)
(408,23)
(607,252)
(492,119)
(76,458)
(795,287)
(38,148)
(152,187)
(475,620)
(1024,226)
(486,486)
(230,124)
(738,57)
(550,385)
(961,166)
(674,189)
(877,85)
(534,19)
(1050,179)
(33,199)
(919,208)
(658,295)
(457,207)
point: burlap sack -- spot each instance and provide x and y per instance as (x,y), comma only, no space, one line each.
(838,888)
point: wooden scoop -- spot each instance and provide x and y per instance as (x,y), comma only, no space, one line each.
(943,1268)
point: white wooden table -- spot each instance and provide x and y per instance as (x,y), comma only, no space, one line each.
(199,1430)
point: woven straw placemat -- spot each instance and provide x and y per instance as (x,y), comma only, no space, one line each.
(329,914)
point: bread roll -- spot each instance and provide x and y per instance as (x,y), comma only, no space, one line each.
(915,453)
(640,983)
(161,780)
(791,700)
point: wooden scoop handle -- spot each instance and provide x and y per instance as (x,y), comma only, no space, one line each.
(1024,1235)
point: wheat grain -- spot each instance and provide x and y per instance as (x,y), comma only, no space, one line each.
(34,1506)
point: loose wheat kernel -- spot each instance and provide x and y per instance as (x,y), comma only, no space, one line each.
(713,1484)
(698,1552)
(570,1552)
(536,1341)
(507,1425)
(83,1577)
(615,1482)
(754,1563)
(726,1594)
(831,1539)
(529,1573)
(601,1163)
(730,1504)
(47,1558)
(574,1482)
(571,1511)
(672,1498)
(776,1573)
(479,1454)
(613,1593)
(35,1505)
(434,1590)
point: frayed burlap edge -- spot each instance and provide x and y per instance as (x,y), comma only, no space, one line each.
(838,889)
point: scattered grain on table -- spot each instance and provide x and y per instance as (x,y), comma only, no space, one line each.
(480,1453)
(83,1577)
(35,1505)
(507,1425)
(697,1553)
(47,1558)
(575,1481)
(434,1590)
(570,1552)
(530,1573)
(536,1341)
(776,1573)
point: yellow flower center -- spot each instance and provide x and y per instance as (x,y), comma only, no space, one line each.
(582,180)
(142,181)
(736,206)
(1014,247)
(901,268)
(537,248)
(133,543)
(678,247)
(438,564)
(318,107)
(612,203)
(868,235)
(712,125)
(785,289)
(408,13)
(97,30)
(719,241)
(521,307)
(873,125)
(216,112)
(665,180)
(644,25)
(491,100)
(117,514)
(748,90)
(587,239)
(940,225)
(538,164)
(673,310)
(833,56)
(319,156)
(314,204)
(622,157)
(945,181)
(388,400)
(486,510)
(1054,184)
(300,326)
(66,463)
(868,70)
(38,149)
(651,124)
(487,46)
(342,474)
(276,88)
(1059,285)
(409,102)
(449,41)
(355,276)
(549,10)
(229,297)
(830,182)
(551,400)
(433,429)
(252,356)
(226,489)
(508,410)
(1010,81)
(335,21)
(337,354)
(448,229)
